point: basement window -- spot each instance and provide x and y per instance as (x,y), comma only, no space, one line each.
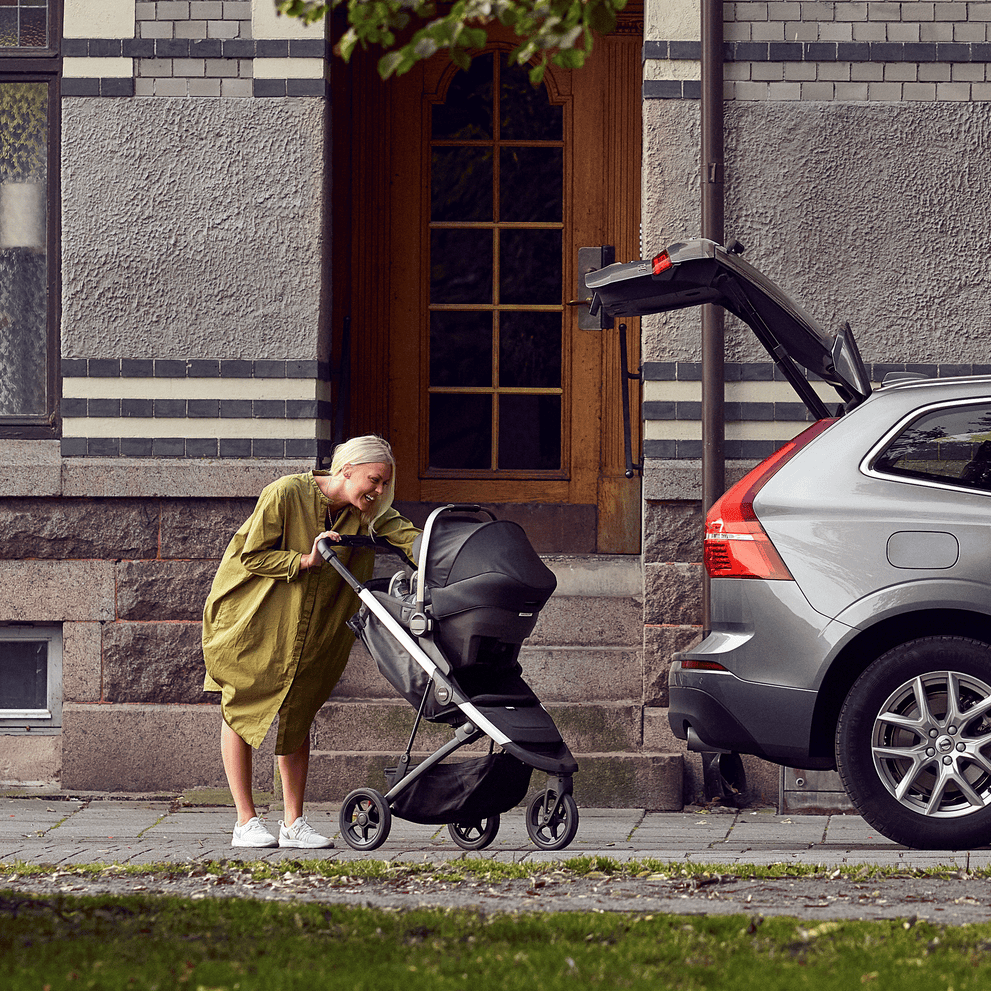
(30,679)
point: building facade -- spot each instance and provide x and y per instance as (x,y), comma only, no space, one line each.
(222,250)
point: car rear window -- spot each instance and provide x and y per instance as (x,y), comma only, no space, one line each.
(952,444)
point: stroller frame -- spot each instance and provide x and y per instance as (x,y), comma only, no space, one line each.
(366,814)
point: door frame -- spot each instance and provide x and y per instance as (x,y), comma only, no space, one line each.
(388,197)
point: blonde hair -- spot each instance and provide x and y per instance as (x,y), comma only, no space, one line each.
(368,449)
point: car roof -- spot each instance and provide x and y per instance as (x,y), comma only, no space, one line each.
(691,273)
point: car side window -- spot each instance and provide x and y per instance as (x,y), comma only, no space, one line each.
(952,445)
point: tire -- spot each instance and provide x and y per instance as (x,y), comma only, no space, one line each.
(475,835)
(913,743)
(552,820)
(365,819)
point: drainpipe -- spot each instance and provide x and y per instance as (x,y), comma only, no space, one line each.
(724,779)
(713,421)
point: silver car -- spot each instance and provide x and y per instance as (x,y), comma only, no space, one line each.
(850,593)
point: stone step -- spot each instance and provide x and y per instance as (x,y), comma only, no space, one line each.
(556,674)
(349,725)
(604,780)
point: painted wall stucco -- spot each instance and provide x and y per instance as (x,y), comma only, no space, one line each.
(191,228)
(867,212)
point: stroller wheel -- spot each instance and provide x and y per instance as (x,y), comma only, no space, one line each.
(474,835)
(552,820)
(365,819)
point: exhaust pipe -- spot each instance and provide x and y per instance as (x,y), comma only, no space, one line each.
(724,780)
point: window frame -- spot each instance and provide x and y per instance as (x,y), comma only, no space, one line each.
(37,721)
(28,65)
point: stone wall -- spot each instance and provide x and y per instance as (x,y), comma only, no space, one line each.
(122,558)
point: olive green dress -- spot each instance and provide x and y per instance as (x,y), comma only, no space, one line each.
(274,637)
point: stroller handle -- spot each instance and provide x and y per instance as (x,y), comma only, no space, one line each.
(326,549)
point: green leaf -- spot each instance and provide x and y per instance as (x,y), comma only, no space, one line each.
(572,58)
(546,29)
(389,63)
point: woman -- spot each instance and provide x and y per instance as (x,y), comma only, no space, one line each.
(274,635)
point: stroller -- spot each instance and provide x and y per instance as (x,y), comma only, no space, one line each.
(448,640)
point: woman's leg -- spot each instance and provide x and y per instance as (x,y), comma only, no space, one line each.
(293,769)
(237,765)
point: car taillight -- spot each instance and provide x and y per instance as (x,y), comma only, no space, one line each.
(661,263)
(736,545)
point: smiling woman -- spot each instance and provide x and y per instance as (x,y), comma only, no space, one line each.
(275,641)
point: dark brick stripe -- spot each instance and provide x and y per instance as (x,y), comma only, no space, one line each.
(660,409)
(734,450)
(220,368)
(767,371)
(223,409)
(193,447)
(192,48)
(124,86)
(233,48)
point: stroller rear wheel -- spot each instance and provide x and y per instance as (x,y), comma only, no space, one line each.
(365,819)
(476,834)
(552,820)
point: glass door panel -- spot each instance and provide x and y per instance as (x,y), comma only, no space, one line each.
(496,276)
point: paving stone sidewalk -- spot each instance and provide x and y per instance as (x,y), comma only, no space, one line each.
(100,830)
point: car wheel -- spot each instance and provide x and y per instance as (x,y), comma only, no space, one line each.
(913,743)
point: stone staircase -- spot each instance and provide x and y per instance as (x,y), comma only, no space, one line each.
(585,661)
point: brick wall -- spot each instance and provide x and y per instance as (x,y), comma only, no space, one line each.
(936,51)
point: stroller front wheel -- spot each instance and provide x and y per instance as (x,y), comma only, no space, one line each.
(475,835)
(552,820)
(365,819)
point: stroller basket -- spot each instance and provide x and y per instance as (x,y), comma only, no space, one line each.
(462,792)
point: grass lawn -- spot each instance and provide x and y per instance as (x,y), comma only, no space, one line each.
(69,943)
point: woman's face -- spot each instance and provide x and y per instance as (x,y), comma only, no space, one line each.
(364,484)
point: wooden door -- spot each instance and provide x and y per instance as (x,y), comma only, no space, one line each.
(470,195)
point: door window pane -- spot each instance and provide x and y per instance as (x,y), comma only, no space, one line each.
(460,431)
(23,248)
(461,184)
(466,114)
(497,210)
(530,184)
(460,349)
(530,432)
(24,675)
(530,350)
(460,266)
(530,267)
(525,113)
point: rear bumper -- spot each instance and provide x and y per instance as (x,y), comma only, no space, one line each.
(743,717)
(771,647)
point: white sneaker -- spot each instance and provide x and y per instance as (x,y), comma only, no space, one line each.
(253,833)
(302,834)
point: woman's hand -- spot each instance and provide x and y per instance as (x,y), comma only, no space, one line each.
(315,559)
